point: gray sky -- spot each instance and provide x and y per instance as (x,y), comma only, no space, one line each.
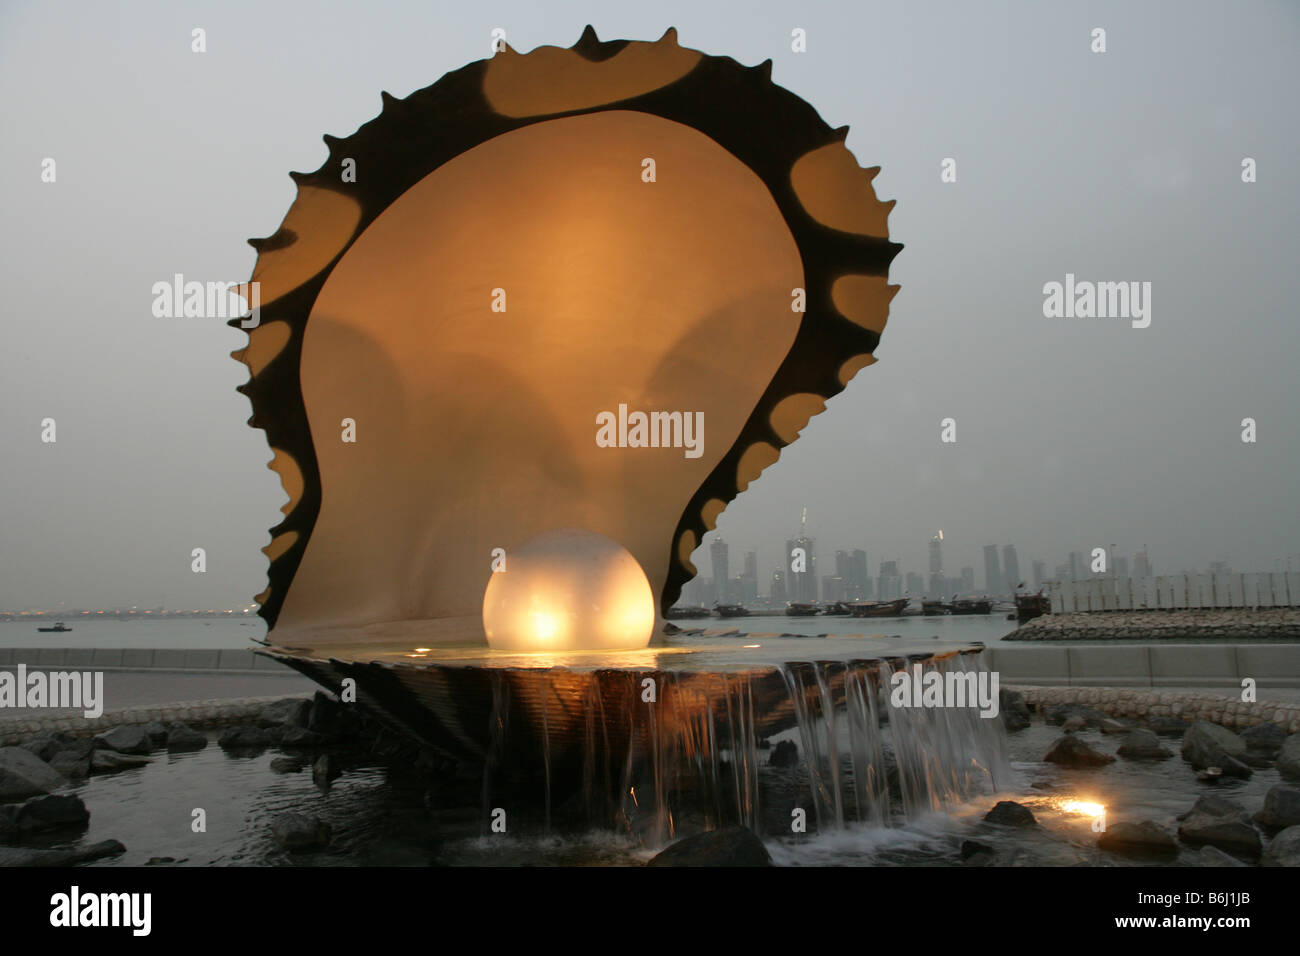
(1071,433)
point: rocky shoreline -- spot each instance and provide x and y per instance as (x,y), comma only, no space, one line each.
(1177,704)
(1269,623)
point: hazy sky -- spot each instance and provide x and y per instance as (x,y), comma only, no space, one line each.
(1071,433)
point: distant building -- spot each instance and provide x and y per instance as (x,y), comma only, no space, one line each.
(1142,565)
(992,573)
(967,580)
(1063,572)
(802,585)
(1011,568)
(721,572)
(938,580)
(889,585)
(1040,575)
(915,584)
(1078,566)
(860,581)
(832,588)
(778,591)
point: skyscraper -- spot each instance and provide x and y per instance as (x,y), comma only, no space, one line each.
(889,586)
(967,580)
(802,584)
(938,582)
(992,573)
(1040,575)
(1010,567)
(718,551)
(861,587)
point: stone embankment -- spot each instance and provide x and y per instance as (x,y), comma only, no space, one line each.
(1219,623)
(1174,704)
(194,713)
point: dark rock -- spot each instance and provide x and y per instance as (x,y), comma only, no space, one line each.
(1265,739)
(1220,823)
(326,715)
(1143,745)
(1014,710)
(23,774)
(325,769)
(110,761)
(1213,856)
(299,831)
(1208,745)
(165,860)
(182,738)
(1143,839)
(1070,751)
(1112,726)
(784,754)
(25,857)
(72,765)
(243,737)
(1060,713)
(1011,814)
(125,740)
(1281,808)
(157,734)
(50,812)
(1168,726)
(728,846)
(286,765)
(292,711)
(299,738)
(49,745)
(973,851)
(1073,722)
(1288,758)
(1284,850)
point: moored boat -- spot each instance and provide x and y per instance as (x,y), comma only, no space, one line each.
(688,611)
(800,609)
(1030,606)
(58,628)
(731,610)
(972,606)
(880,608)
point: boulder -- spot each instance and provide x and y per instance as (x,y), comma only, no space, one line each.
(286,765)
(1265,739)
(1284,850)
(1288,758)
(1208,745)
(243,737)
(1168,726)
(1060,713)
(1112,726)
(292,711)
(1142,839)
(1070,751)
(326,716)
(182,738)
(1213,856)
(110,761)
(325,769)
(26,857)
(157,734)
(1011,814)
(784,754)
(1143,745)
(125,740)
(72,765)
(1281,808)
(23,774)
(1220,823)
(49,813)
(299,831)
(49,745)
(1013,709)
(728,846)
(976,853)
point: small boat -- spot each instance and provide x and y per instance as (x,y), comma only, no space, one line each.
(799,609)
(838,609)
(880,608)
(731,610)
(934,607)
(972,606)
(57,628)
(682,613)
(1030,606)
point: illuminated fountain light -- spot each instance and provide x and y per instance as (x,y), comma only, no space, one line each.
(569,590)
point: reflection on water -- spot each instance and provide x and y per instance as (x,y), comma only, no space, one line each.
(379,818)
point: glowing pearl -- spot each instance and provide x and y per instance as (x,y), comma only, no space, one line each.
(569,590)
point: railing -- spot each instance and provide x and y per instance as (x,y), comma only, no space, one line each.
(1177,591)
